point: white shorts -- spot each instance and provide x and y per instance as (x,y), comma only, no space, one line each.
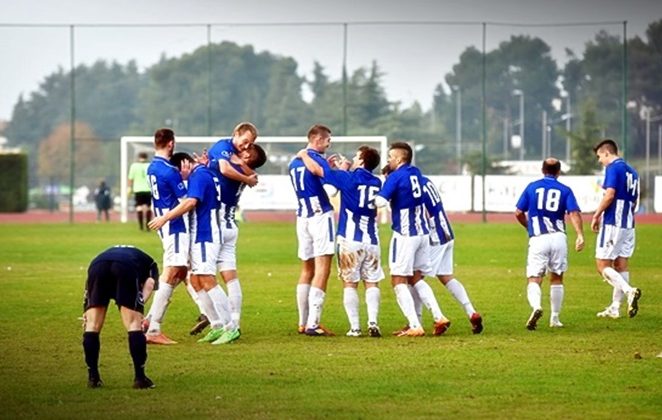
(176,250)
(408,254)
(358,261)
(316,235)
(441,259)
(548,252)
(614,242)
(204,256)
(227,256)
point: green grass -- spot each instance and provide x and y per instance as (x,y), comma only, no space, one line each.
(586,370)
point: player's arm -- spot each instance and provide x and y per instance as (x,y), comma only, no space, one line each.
(382,197)
(229,172)
(312,166)
(576,220)
(521,217)
(607,199)
(247,170)
(182,208)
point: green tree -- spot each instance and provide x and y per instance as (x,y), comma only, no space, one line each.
(583,140)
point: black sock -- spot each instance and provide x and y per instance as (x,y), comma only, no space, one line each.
(91,346)
(140,219)
(149,215)
(138,350)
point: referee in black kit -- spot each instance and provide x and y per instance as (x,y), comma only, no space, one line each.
(127,275)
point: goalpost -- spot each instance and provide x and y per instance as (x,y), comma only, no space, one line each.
(274,191)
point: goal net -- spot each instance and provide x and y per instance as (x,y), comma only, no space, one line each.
(274,190)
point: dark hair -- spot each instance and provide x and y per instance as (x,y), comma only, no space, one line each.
(405,147)
(179,157)
(551,166)
(608,144)
(162,137)
(142,155)
(386,170)
(318,129)
(258,156)
(370,157)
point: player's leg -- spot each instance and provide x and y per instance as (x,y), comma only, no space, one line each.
(557,265)
(94,318)
(556,295)
(422,265)
(351,305)
(228,270)
(132,321)
(200,283)
(348,264)
(372,273)
(305,254)
(170,277)
(322,232)
(536,267)
(401,265)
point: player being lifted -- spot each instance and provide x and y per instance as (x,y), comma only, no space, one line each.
(315,233)
(541,209)
(359,254)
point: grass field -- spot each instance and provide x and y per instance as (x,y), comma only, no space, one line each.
(592,368)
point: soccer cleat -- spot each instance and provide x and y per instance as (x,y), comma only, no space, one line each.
(532,323)
(373,330)
(321,330)
(441,326)
(143,383)
(354,333)
(633,302)
(94,382)
(412,332)
(401,331)
(228,337)
(609,312)
(301,329)
(476,323)
(213,335)
(158,338)
(203,322)
(555,323)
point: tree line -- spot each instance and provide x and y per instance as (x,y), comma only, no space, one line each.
(207,91)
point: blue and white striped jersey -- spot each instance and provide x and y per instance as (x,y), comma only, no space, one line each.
(547,201)
(358,213)
(230,188)
(309,188)
(222,149)
(167,189)
(203,185)
(625,181)
(440,227)
(404,189)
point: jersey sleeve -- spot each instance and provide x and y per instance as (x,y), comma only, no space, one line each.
(611,177)
(571,202)
(336,177)
(523,202)
(321,161)
(389,187)
(195,186)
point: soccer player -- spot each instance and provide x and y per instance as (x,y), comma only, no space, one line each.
(126,275)
(613,220)
(167,188)
(243,136)
(315,233)
(442,243)
(202,202)
(142,194)
(408,249)
(359,254)
(541,209)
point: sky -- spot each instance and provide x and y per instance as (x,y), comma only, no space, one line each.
(414,56)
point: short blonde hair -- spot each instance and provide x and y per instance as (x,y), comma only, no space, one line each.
(244,126)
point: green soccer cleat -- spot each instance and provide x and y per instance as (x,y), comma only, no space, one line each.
(228,337)
(213,335)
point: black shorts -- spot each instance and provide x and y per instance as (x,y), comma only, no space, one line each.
(113,280)
(143,198)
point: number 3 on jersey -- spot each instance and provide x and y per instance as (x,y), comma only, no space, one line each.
(549,201)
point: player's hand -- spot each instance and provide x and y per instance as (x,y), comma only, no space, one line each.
(185,168)
(203,158)
(333,160)
(157,223)
(252,180)
(595,223)
(579,243)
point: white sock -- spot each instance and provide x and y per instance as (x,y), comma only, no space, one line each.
(351,303)
(418,303)
(460,294)
(372,300)
(556,292)
(209,310)
(159,306)
(222,306)
(617,294)
(303,290)
(612,277)
(315,305)
(534,295)
(236,298)
(406,303)
(194,296)
(427,296)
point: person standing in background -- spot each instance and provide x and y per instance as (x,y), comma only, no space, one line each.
(139,185)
